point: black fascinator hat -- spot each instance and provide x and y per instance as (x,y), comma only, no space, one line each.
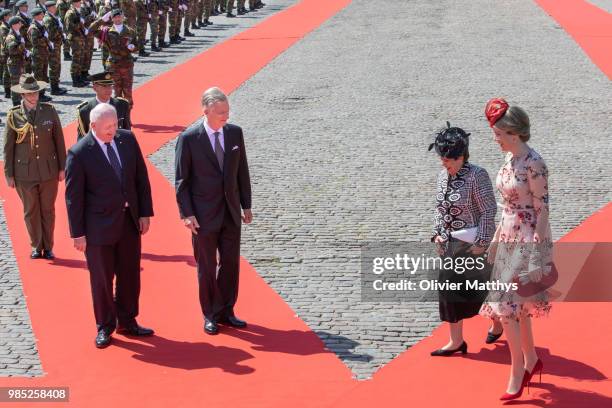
(451,142)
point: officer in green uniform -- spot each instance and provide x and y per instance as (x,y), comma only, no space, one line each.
(54,27)
(103,87)
(34,160)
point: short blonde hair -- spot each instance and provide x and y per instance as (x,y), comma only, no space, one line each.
(515,121)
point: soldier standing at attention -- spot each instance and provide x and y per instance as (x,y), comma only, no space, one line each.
(41,49)
(103,87)
(62,8)
(154,24)
(34,160)
(5,28)
(55,29)
(142,19)
(174,16)
(17,53)
(77,33)
(162,6)
(121,42)
(189,10)
(89,14)
(129,12)
(22,13)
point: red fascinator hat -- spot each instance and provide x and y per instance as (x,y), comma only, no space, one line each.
(496,108)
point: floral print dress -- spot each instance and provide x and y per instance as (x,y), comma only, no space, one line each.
(523,185)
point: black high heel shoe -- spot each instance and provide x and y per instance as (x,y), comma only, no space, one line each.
(445,353)
(492,338)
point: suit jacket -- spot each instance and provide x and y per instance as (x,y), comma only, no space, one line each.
(84,108)
(95,197)
(202,189)
(41,154)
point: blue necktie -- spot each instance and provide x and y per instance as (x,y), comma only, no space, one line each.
(114,161)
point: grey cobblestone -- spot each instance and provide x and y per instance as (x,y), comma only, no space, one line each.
(337,130)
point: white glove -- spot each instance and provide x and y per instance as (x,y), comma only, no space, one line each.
(149,16)
(64,35)
(46,34)
(106,17)
(130,47)
(52,46)
(22,40)
(94,14)
(82,20)
(160,12)
(86,32)
(28,53)
(170,9)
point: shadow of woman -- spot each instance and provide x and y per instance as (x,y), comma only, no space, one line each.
(187,356)
(553,364)
(560,397)
(297,342)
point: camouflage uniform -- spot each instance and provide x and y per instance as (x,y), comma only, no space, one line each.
(16,51)
(163,21)
(175,19)
(102,10)
(56,36)
(6,77)
(38,35)
(24,33)
(89,14)
(120,63)
(62,8)
(75,29)
(129,11)
(229,6)
(154,22)
(142,19)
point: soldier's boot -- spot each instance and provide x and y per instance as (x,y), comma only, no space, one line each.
(76,81)
(155,48)
(143,53)
(208,22)
(83,78)
(240,12)
(67,56)
(188,33)
(56,90)
(173,40)
(163,44)
(44,98)
(7,93)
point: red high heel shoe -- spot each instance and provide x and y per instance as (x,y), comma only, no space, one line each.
(508,396)
(537,367)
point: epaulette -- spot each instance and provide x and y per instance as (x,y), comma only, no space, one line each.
(122,99)
(82,104)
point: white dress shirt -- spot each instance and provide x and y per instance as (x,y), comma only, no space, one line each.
(103,147)
(211,135)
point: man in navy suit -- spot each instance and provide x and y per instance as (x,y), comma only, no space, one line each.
(212,186)
(108,196)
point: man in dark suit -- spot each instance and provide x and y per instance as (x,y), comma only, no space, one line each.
(212,184)
(109,203)
(103,87)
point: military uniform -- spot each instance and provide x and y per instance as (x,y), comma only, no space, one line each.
(120,63)
(62,8)
(89,14)
(27,67)
(17,54)
(174,17)
(162,7)
(142,19)
(129,11)
(55,28)
(4,72)
(154,24)
(41,49)
(76,32)
(34,155)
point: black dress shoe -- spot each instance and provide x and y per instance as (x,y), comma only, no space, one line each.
(211,327)
(445,353)
(36,254)
(155,48)
(208,22)
(103,339)
(135,330)
(143,53)
(234,321)
(163,44)
(492,338)
(230,15)
(48,254)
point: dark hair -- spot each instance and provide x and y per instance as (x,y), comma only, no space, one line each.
(452,143)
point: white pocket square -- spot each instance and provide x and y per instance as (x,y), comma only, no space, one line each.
(235,148)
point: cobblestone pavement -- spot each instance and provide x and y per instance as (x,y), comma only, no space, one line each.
(602,4)
(337,131)
(18,352)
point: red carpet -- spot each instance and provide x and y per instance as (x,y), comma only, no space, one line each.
(278,361)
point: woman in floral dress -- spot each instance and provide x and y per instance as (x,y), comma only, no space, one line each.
(522,243)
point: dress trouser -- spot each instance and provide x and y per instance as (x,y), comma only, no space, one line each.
(120,260)
(38,200)
(218,290)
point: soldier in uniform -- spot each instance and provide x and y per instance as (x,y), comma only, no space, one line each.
(103,87)
(77,33)
(22,13)
(121,42)
(174,17)
(55,29)
(62,8)
(17,53)
(34,160)
(89,14)
(5,28)
(129,12)
(154,24)
(142,19)
(41,49)
(189,8)
(162,11)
